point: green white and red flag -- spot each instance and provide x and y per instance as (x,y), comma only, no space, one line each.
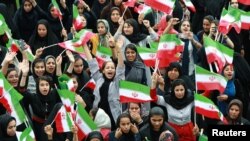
(27,135)
(91,84)
(57,9)
(245,2)
(230,18)
(143,9)
(189,5)
(207,108)
(12,45)
(169,46)
(206,80)
(63,120)
(10,100)
(3,25)
(133,92)
(165,6)
(77,21)
(66,82)
(148,55)
(71,46)
(217,52)
(245,20)
(84,122)
(82,37)
(129,3)
(103,54)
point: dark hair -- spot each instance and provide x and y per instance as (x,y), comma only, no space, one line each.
(45,78)
(210,18)
(183,22)
(173,65)
(94,111)
(133,47)
(37,60)
(123,115)
(94,134)
(104,65)
(179,82)
(10,70)
(158,111)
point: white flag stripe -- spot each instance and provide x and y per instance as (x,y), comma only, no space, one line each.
(245,19)
(206,106)
(214,50)
(228,18)
(139,95)
(170,45)
(103,56)
(148,56)
(83,126)
(205,78)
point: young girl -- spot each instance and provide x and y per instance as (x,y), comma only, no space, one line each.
(107,83)
(179,105)
(8,128)
(126,131)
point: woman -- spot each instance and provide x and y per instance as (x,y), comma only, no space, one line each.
(155,126)
(130,32)
(191,45)
(94,136)
(97,7)
(113,19)
(44,36)
(234,116)
(126,131)
(207,20)
(107,83)
(8,128)
(179,103)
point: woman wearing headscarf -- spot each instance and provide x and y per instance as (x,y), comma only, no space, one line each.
(156,125)
(113,19)
(94,136)
(44,36)
(97,7)
(8,128)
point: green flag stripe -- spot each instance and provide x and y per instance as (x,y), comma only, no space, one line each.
(134,86)
(105,50)
(85,116)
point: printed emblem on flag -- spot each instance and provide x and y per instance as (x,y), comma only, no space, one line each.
(212,78)
(134,94)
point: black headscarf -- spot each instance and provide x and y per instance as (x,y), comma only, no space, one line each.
(94,134)
(36,41)
(136,36)
(97,7)
(113,26)
(4,121)
(176,102)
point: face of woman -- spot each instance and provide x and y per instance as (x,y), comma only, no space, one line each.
(11,128)
(50,65)
(206,25)
(13,78)
(117,2)
(173,74)
(134,108)
(234,111)
(84,21)
(95,139)
(115,15)
(130,55)
(157,122)
(185,27)
(78,66)
(109,70)
(42,30)
(228,72)
(101,1)
(75,83)
(128,29)
(53,12)
(44,87)
(39,69)
(179,91)
(101,28)
(125,124)
(27,6)
(80,8)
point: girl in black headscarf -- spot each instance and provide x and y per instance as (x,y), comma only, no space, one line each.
(113,18)
(43,36)
(7,128)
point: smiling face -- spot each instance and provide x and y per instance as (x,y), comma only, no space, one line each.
(12,77)
(39,68)
(109,70)
(78,66)
(42,30)
(50,65)
(115,15)
(130,55)
(128,29)
(101,28)
(179,91)
(44,87)
(206,25)
(185,27)
(228,72)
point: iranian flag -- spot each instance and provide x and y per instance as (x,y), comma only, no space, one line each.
(70,45)
(165,6)
(148,55)
(143,9)
(77,21)
(10,98)
(169,46)
(245,20)
(90,84)
(129,3)
(63,120)
(103,54)
(57,9)
(133,92)
(84,122)
(206,80)
(12,45)
(68,99)
(245,2)
(66,82)
(217,52)
(230,18)
(3,25)
(206,107)
(30,55)
(189,5)
(27,135)
(82,37)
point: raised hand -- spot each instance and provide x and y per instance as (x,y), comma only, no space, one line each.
(39,52)
(59,60)
(9,57)
(48,130)
(146,23)
(133,128)
(70,56)
(25,67)
(118,133)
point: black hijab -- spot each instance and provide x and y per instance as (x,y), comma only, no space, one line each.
(113,26)
(176,102)
(97,7)
(4,121)
(136,36)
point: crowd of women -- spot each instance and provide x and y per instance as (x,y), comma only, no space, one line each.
(170,116)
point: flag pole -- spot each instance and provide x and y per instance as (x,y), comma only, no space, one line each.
(124,11)
(196,92)
(49,46)
(84,85)
(61,23)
